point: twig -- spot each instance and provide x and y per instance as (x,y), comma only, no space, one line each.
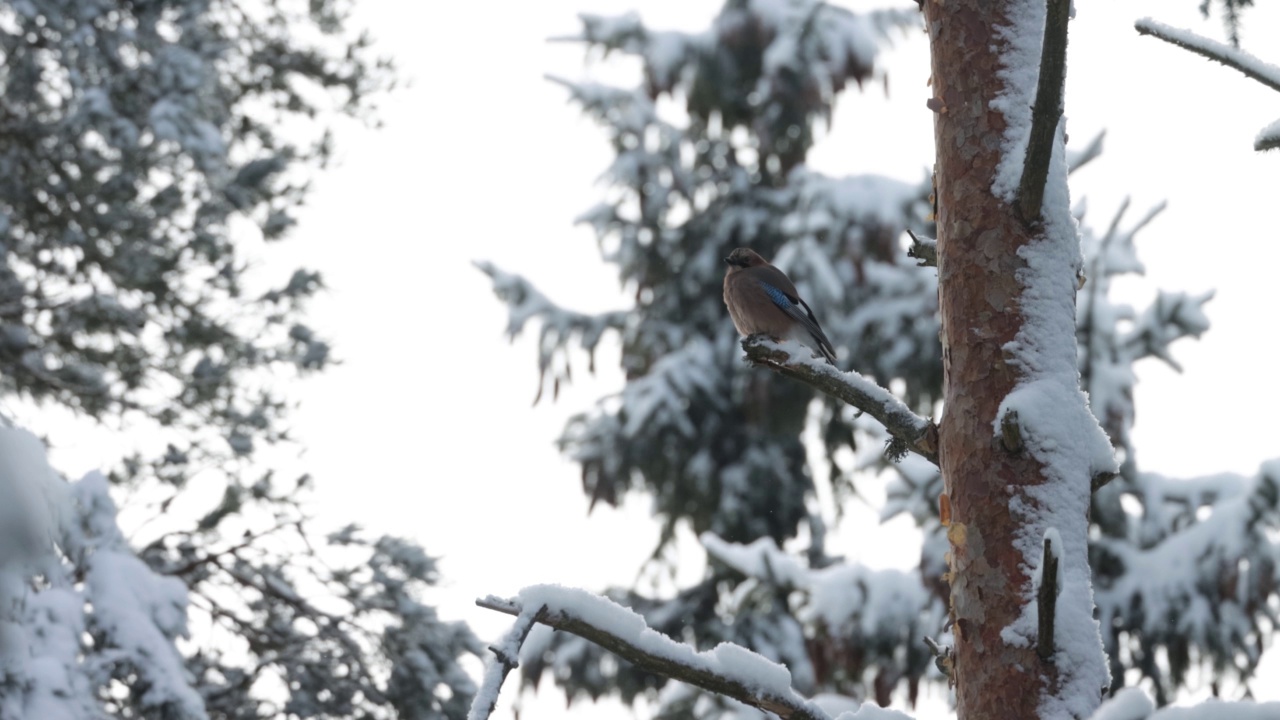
(506,657)
(1046,112)
(786,707)
(1047,597)
(926,250)
(329,624)
(1077,159)
(248,541)
(910,431)
(1263,72)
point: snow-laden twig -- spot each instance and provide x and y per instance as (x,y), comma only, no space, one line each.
(1263,72)
(506,657)
(909,430)
(923,249)
(1046,112)
(1077,159)
(1266,73)
(728,670)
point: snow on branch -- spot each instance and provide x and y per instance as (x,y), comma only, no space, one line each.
(1190,577)
(1077,159)
(559,326)
(1263,72)
(1132,703)
(506,654)
(923,249)
(1173,316)
(873,611)
(729,670)
(910,432)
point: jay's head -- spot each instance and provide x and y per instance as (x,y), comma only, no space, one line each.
(743,258)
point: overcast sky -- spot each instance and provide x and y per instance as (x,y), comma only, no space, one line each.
(427,428)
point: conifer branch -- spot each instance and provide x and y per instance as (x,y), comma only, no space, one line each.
(1046,112)
(784,706)
(1263,72)
(910,431)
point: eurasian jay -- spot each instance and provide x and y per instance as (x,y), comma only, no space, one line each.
(762,300)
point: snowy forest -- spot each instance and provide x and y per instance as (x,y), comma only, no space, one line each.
(157,155)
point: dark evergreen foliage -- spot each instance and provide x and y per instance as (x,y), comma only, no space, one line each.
(146,148)
(718,446)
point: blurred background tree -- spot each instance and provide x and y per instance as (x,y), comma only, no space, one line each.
(709,147)
(147,151)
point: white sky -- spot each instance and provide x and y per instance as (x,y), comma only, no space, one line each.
(427,429)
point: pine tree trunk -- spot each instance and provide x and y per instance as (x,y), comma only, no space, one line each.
(979,236)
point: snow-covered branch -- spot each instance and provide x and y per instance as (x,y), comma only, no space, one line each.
(1077,159)
(729,670)
(923,249)
(559,326)
(910,432)
(1264,72)
(506,657)
(1132,703)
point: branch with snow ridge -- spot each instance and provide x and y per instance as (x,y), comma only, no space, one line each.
(910,431)
(728,669)
(1263,72)
(506,654)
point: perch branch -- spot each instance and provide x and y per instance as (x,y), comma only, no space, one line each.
(506,657)
(1046,112)
(910,431)
(1265,73)
(784,706)
(925,250)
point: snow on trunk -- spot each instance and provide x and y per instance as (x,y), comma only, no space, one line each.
(1019,446)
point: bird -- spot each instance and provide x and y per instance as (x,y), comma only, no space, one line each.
(763,300)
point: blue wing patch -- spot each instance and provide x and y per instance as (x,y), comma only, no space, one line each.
(778,297)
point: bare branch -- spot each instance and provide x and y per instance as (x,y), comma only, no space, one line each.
(784,706)
(1046,112)
(910,431)
(1047,596)
(506,657)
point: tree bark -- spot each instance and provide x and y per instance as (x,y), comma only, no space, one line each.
(979,236)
